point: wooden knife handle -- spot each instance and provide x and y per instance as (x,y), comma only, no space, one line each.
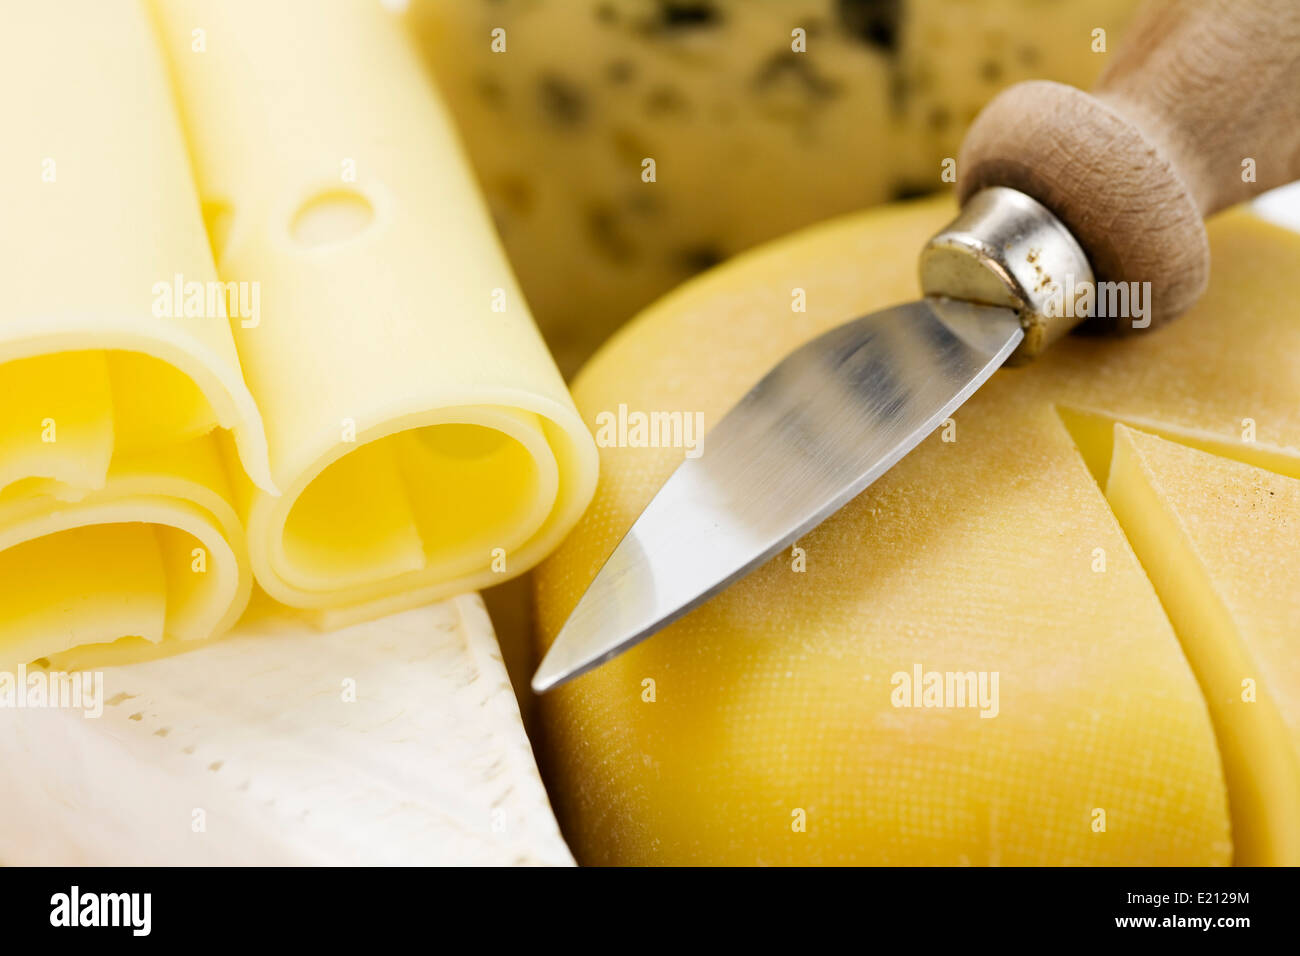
(1199,110)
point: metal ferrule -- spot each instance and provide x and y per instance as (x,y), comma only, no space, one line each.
(1005,248)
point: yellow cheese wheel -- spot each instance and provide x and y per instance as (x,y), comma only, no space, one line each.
(770,725)
(421,437)
(122,389)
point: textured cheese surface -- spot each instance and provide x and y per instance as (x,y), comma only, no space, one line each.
(114,418)
(421,437)
(996,551)
(246,751)
(1221,541)
(750,138)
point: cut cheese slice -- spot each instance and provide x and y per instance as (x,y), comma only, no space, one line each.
(102,220)
(1221,542)
(120,586)
(424,441)
(124,401)
(57,427)
(390,742)
(175,504)
(762,727)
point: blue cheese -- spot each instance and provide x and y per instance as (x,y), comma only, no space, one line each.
(750,137)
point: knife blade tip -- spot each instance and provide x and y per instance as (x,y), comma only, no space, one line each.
(551,672)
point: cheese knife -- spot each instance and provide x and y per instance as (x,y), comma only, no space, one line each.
(1076,208)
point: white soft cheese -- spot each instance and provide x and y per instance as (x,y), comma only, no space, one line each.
(248,750)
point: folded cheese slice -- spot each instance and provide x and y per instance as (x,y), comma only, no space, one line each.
(422,437)
(124,406)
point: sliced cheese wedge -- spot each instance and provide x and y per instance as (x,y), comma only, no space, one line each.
(389,742)
(424,441)
(1221,542)
(124,402)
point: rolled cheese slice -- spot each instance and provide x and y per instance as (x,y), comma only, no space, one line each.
(423,440)
(124,404)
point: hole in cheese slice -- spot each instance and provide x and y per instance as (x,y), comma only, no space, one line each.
(330,217)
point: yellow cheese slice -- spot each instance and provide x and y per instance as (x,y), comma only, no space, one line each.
(762,726)
(124,402)
(422,438)
(1221,542)
(169,513)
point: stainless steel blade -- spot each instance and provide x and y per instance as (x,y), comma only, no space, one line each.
(812,434)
